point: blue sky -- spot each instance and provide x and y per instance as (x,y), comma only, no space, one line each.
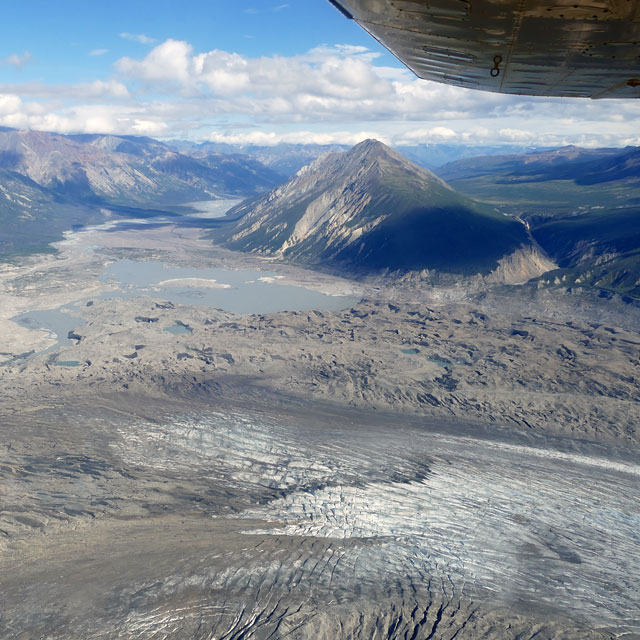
(60,35)
(257,71)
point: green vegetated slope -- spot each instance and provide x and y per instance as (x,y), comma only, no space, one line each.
(370,209)
(558,182)
(582,205)
(598,249)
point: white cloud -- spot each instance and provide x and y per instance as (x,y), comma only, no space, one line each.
(330,94)
(168,63)
(16,60)
(341,83)
(98,89)
(137,37)
(98,52)
(82,119)
(101,88)
(9,104)
(421,136)
(517,135)
(270,139)
(273,9)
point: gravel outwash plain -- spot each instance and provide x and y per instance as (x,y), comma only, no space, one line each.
(569,377)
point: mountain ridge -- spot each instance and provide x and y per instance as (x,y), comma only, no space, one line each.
(126,169)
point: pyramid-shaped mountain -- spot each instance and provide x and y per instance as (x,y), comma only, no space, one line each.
(370,209)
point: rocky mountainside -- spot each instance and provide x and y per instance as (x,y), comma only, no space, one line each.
(371,210)
(126,169)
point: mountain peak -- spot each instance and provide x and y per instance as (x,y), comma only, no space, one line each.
(373,148)
(369,144)
(371,209)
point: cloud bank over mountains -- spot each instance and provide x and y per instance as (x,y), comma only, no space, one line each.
(337,93)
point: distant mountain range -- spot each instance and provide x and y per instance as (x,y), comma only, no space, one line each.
(371,209)
(129,170)
(287,159)
(284,159)
(571,179)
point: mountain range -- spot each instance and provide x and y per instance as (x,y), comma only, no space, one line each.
(129,170)
(575,213)
(288,158)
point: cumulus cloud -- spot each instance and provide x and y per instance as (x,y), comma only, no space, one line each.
(9,104)
(79,119)
(330,94)
(16,60)
(167,64)
(338,83)
(137,37)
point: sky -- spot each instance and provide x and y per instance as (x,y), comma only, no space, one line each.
(257,72)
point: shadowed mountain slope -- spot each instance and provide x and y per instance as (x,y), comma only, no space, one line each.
(599,249)
(582,206)
(31,216)
(372,210)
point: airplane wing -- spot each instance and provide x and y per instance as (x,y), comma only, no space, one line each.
(578,48)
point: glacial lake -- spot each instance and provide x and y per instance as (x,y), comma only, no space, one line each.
(239,291)
(57,322)
(236,290)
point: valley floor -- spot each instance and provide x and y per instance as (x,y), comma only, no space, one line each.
(425,463)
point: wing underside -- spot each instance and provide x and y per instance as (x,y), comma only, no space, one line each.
(579,48)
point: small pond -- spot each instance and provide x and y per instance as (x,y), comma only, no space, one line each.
(178,329)
(445,364)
